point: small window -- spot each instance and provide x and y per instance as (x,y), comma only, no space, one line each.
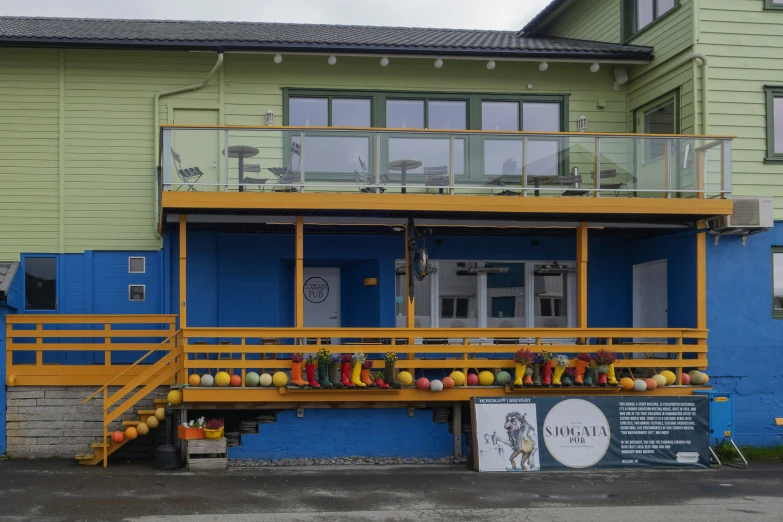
(773,4)
(777,282)
(454,307)
(137,292)
(640,14)
(40,283)
(136,265)
(660,119)
(775,124)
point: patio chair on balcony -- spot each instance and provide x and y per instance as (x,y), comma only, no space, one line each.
(259,183)
(189,176)
(436,177)
(498,188)
(366,181)
(289,176)
(611,175)
(574,180)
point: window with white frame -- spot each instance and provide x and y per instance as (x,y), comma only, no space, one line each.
(491,294)
(137,292)
(137,265)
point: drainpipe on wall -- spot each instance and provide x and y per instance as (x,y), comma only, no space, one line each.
(705,125)
(156,130)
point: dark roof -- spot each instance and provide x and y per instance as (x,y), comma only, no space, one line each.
(545,13)
(7,271)
(166,34)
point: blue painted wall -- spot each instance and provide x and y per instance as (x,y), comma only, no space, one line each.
(745,342)
(331,433)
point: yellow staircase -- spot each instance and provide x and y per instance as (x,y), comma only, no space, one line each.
(115,405)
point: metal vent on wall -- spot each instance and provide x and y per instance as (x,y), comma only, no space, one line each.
(746,213)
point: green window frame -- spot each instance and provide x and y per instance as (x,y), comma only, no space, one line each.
(474,159)
(629,18)
(774,95)
(773,4)
(777,301)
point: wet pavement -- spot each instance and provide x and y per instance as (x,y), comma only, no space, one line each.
(62,490)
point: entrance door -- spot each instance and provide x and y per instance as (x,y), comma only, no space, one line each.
(322,297)
(198,148)
(660,117)
(650,297)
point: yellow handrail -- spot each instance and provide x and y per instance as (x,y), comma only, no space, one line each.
(172,336)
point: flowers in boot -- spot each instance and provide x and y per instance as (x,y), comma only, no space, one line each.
(559,364)
(390,358)
(546,368)
(356,372)
(523,358)
(366,378)
(604,360)
(583,361)
(324,356)
(296,370)
(310,371)
(345,372)
(297,358)
(388,370)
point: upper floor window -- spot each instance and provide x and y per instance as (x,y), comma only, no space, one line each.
(641,13)
(775,124)
(773,4)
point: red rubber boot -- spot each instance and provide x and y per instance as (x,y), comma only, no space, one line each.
(310,371)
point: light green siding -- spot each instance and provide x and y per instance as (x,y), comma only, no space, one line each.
(744,43)
(29,153)
(670,35)
(106,99)
(597,20)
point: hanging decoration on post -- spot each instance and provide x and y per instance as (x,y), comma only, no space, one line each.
(418,259)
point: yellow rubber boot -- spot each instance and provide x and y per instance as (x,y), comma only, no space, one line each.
(557,373)
(519,374)
(356,375)
(610,377)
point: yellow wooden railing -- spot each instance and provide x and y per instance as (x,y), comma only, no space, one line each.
(268,349)
(54,339)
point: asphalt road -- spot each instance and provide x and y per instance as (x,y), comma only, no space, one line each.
(56,490)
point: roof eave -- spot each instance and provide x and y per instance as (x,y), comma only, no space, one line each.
(638,54)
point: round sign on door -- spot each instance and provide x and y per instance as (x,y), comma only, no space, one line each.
(316,290)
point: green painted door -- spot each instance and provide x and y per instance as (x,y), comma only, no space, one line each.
(198,148)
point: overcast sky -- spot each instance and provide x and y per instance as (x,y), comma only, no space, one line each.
(466,14)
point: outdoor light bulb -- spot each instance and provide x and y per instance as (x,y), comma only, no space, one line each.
(491,64)
(384,61)
(438,63)
(543,66)
(595,67)
(332,60)
(278,58)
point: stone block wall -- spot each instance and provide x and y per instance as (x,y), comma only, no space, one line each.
(52,422)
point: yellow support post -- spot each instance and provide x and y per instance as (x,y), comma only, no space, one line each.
(581,275)
(410,308)
(299,277)
(183,256)
(701,282)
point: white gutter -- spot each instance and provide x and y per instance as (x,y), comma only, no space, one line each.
(156,130)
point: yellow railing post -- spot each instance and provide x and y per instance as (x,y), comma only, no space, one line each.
(701,280)
(105,427)
(410,305)
(183,263)
(39,342)
(299,275)
(107,340)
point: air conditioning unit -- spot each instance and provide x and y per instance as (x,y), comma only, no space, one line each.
(749,214)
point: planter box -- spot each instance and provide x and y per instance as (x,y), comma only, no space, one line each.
(190,433)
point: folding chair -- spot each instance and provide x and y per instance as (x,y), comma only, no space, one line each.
(436,177)
(189,176)
(289,176)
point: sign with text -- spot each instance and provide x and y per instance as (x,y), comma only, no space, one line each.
(535,433)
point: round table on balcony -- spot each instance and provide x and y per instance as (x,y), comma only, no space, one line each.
(403,165)
(241,152)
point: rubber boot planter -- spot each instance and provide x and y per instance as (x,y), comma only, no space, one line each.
(310,371)
(528,380)
(559,363)
(582,363)
(365,377)
(546,373)
(603,370)
(356,370)
(589,376)
(523,359)
(324,358)
(347,360)
(334,374)
(536,372)
(377,378)
(388,370)
(296,370)
(611,378)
